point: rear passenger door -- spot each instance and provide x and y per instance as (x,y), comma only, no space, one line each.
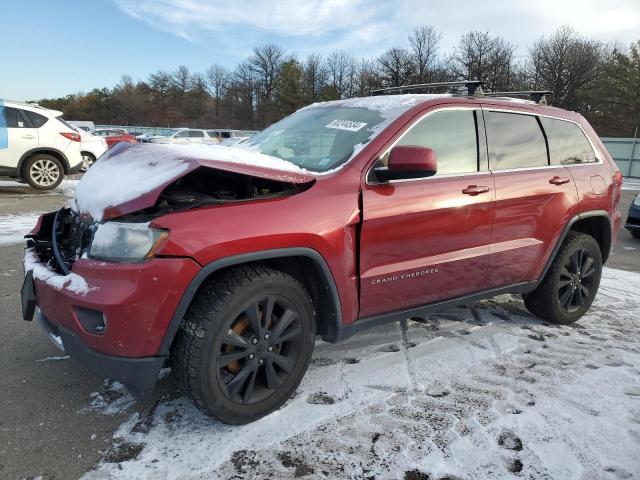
(534,199)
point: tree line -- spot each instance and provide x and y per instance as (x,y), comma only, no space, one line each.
(601,81)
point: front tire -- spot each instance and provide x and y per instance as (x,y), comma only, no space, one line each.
(245,343)
(43,172)
(570,286)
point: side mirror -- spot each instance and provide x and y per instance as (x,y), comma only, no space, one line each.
(408,161)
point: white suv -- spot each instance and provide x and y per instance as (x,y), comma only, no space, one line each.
(37,145)
(188,136)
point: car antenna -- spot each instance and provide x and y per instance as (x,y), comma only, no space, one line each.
(474,87)
(538,96)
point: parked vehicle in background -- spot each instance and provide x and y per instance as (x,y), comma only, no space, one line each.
(91,147)
(114,135)
(37,145)
(146,137)
(342,216)
(633,219)
(185,136)
(85,125)
(230,137)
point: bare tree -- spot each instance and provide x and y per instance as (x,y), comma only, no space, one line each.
(181,79)
(265,63)
(315,77)
(339,66)
(217,78)
(395,67)
(424,44)
(566,63)
(479,56)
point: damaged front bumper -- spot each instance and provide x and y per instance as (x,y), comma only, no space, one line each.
(111,317)
(139,374)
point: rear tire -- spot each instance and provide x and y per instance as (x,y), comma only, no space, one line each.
(43,172)
(87,160)
(570,286)
(245,343)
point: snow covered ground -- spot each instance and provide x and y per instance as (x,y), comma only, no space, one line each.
(631,184)
(475,392)
(15,227)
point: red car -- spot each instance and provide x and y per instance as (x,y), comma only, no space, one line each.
(227,262)
(114,135)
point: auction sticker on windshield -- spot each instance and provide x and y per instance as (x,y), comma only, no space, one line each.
(349,125)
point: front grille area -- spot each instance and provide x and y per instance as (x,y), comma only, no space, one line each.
(62,239)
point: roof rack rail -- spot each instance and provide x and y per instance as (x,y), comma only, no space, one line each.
(538,96)
(474,87)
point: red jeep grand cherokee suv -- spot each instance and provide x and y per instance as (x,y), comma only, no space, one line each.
(229,261)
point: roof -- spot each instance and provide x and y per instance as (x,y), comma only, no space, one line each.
(32,106)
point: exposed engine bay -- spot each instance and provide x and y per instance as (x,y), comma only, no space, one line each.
(65,235)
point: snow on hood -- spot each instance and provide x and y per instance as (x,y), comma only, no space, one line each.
(130,177)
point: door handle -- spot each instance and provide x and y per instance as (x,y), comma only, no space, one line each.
(475,189)
(28,137)
(559,180)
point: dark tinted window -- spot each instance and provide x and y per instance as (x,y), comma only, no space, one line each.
(451,135)
(196,134)
(567,143)
(36,119)
(515,141)
(13,118)
(225,134)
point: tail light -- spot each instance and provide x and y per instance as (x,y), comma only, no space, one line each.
(74,137)
(617,180)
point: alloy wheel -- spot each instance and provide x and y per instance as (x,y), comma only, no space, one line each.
(87,161)
(260,350)
(576,283)
(44,172)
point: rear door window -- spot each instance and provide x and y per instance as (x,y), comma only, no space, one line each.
(568,144)
(36,119)
(196,134)
(515,141)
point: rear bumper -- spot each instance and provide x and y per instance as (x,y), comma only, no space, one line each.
(139,373)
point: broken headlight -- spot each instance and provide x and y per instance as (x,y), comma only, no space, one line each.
(126,241)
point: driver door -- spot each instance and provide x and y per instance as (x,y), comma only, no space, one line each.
(426,240)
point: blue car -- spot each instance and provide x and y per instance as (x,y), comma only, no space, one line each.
(633,220)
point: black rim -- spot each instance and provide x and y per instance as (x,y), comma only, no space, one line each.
(260,350)
(577,276)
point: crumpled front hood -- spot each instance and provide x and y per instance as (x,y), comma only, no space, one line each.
(130,177)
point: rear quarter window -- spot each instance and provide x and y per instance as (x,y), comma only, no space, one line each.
(568,144)
(36,119)
(515,141)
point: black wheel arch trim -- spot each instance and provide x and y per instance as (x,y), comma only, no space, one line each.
(29,153)
(565,232)
(334,326)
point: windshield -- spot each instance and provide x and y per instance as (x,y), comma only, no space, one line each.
(170,133)
(318,138)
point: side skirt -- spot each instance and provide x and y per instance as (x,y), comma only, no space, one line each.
(377,320)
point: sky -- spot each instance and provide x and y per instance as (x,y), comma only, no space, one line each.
(69,46)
